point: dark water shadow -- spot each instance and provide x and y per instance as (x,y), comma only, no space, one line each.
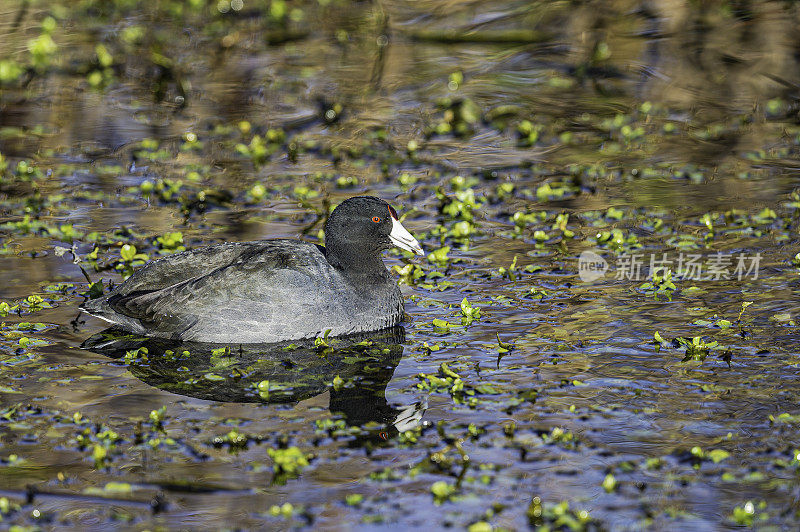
(355,370)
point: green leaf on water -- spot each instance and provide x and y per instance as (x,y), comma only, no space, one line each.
(718,455)
(503,347)
(354,499)
(127,252)
(445,371)
(442,324)
(110,487)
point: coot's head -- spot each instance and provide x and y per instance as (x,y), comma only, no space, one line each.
(365,224)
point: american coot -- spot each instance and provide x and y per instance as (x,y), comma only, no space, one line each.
(270,290)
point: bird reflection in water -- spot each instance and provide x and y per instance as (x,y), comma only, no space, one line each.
(295,371)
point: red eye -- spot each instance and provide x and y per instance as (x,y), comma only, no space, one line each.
(383,435)
(376,219)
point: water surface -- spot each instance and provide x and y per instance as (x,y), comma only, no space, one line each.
(516,134)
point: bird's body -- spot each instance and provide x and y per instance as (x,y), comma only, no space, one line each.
(266,291)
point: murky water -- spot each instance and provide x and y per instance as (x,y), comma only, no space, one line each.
(518,136)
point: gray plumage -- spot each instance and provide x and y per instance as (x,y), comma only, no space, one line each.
(267,291)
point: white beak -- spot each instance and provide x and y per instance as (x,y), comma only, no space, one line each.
(403,239)
(411,416)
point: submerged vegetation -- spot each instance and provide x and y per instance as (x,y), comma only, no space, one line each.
(602,334)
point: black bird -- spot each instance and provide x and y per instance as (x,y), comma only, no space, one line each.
(270,290)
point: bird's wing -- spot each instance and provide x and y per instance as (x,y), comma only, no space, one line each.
(268,288)
(178,267)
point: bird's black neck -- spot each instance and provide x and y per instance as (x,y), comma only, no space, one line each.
(361,267)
